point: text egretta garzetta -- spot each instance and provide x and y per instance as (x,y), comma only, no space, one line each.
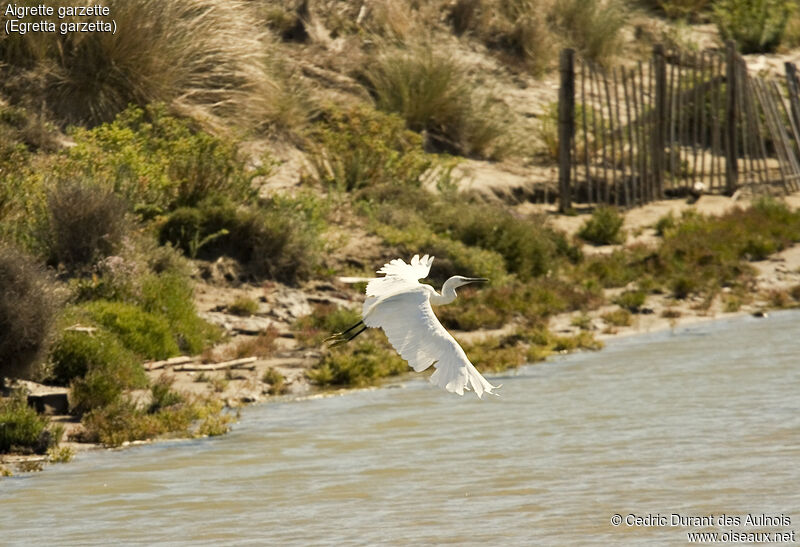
(401,305)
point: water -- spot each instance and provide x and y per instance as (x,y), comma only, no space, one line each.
(704,420)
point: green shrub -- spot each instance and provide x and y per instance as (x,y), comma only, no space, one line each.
(276,381)
(29,305)
(528,246)
(204,58)
(76,354)
(170,295)
(163,396)
(604,228)
(280,241)
(323,321)
(680,9)
(21,428)
(85,223)
(360,147)
(360,363)
(631,300)
(144,333)
(243,306)
(122,421)
(157,162)
(432,93)
(757,26)
(618,318)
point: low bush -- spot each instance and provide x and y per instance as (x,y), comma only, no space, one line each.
(280,241)
(323,321)
(691,10)
(631,300)
(276,381)
(157,162)
(619,318)
(147,334)
(77,353)
(29,305)
(432,93)
(122,421)
(262,345)
(171,296)
(85,223)
(757,26)
(360,363)
(360,147)
(243,306)
(604,228)
(22,430)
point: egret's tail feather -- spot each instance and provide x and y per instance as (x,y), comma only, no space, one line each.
(342,337)
(456,379)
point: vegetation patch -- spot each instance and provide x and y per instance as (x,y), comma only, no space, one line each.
(29,306)
(360,363)
(432,93)
(22,430)
(604,227)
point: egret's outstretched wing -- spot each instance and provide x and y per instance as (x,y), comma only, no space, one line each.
(399,277)
(415,332)
(418,269)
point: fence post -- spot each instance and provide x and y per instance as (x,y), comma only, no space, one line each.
(660,127)
(794,91)
(566,127)
(731,165)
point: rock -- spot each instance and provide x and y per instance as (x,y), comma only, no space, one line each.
(55,402)
(251,325)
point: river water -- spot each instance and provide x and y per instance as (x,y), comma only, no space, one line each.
(698,422)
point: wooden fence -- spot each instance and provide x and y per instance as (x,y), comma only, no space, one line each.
(631,135)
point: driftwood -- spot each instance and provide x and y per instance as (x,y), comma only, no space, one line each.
(78,328)
(155,365)
(210,367)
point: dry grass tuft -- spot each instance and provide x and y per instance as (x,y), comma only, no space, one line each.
(205,58)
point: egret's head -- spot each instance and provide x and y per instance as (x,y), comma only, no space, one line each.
(459,280)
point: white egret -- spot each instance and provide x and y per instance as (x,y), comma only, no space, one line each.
(401,305)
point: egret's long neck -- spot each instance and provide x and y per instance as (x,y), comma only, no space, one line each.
(447,296)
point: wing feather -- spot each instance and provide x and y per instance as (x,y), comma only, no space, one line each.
(416,333)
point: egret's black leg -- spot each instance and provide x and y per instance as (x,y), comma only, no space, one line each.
(340,338)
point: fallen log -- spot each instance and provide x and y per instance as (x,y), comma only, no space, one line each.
(155,365)
(210,367)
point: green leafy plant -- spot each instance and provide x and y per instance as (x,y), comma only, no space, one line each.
(360,147)
(757,26)
(157,162)
(21,428)
(604,228)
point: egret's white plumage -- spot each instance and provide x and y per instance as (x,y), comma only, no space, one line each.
(401,305)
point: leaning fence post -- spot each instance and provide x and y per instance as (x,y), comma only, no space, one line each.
(566,127)
(731,166)
(794,91)
(660,127)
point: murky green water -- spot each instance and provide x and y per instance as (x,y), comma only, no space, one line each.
(705,420)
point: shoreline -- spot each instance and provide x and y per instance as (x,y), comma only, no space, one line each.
(280,305)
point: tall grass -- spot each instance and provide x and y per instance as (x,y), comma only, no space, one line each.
(432,92)
(205,58)
(591,26)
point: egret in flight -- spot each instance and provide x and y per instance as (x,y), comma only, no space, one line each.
(401,305)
